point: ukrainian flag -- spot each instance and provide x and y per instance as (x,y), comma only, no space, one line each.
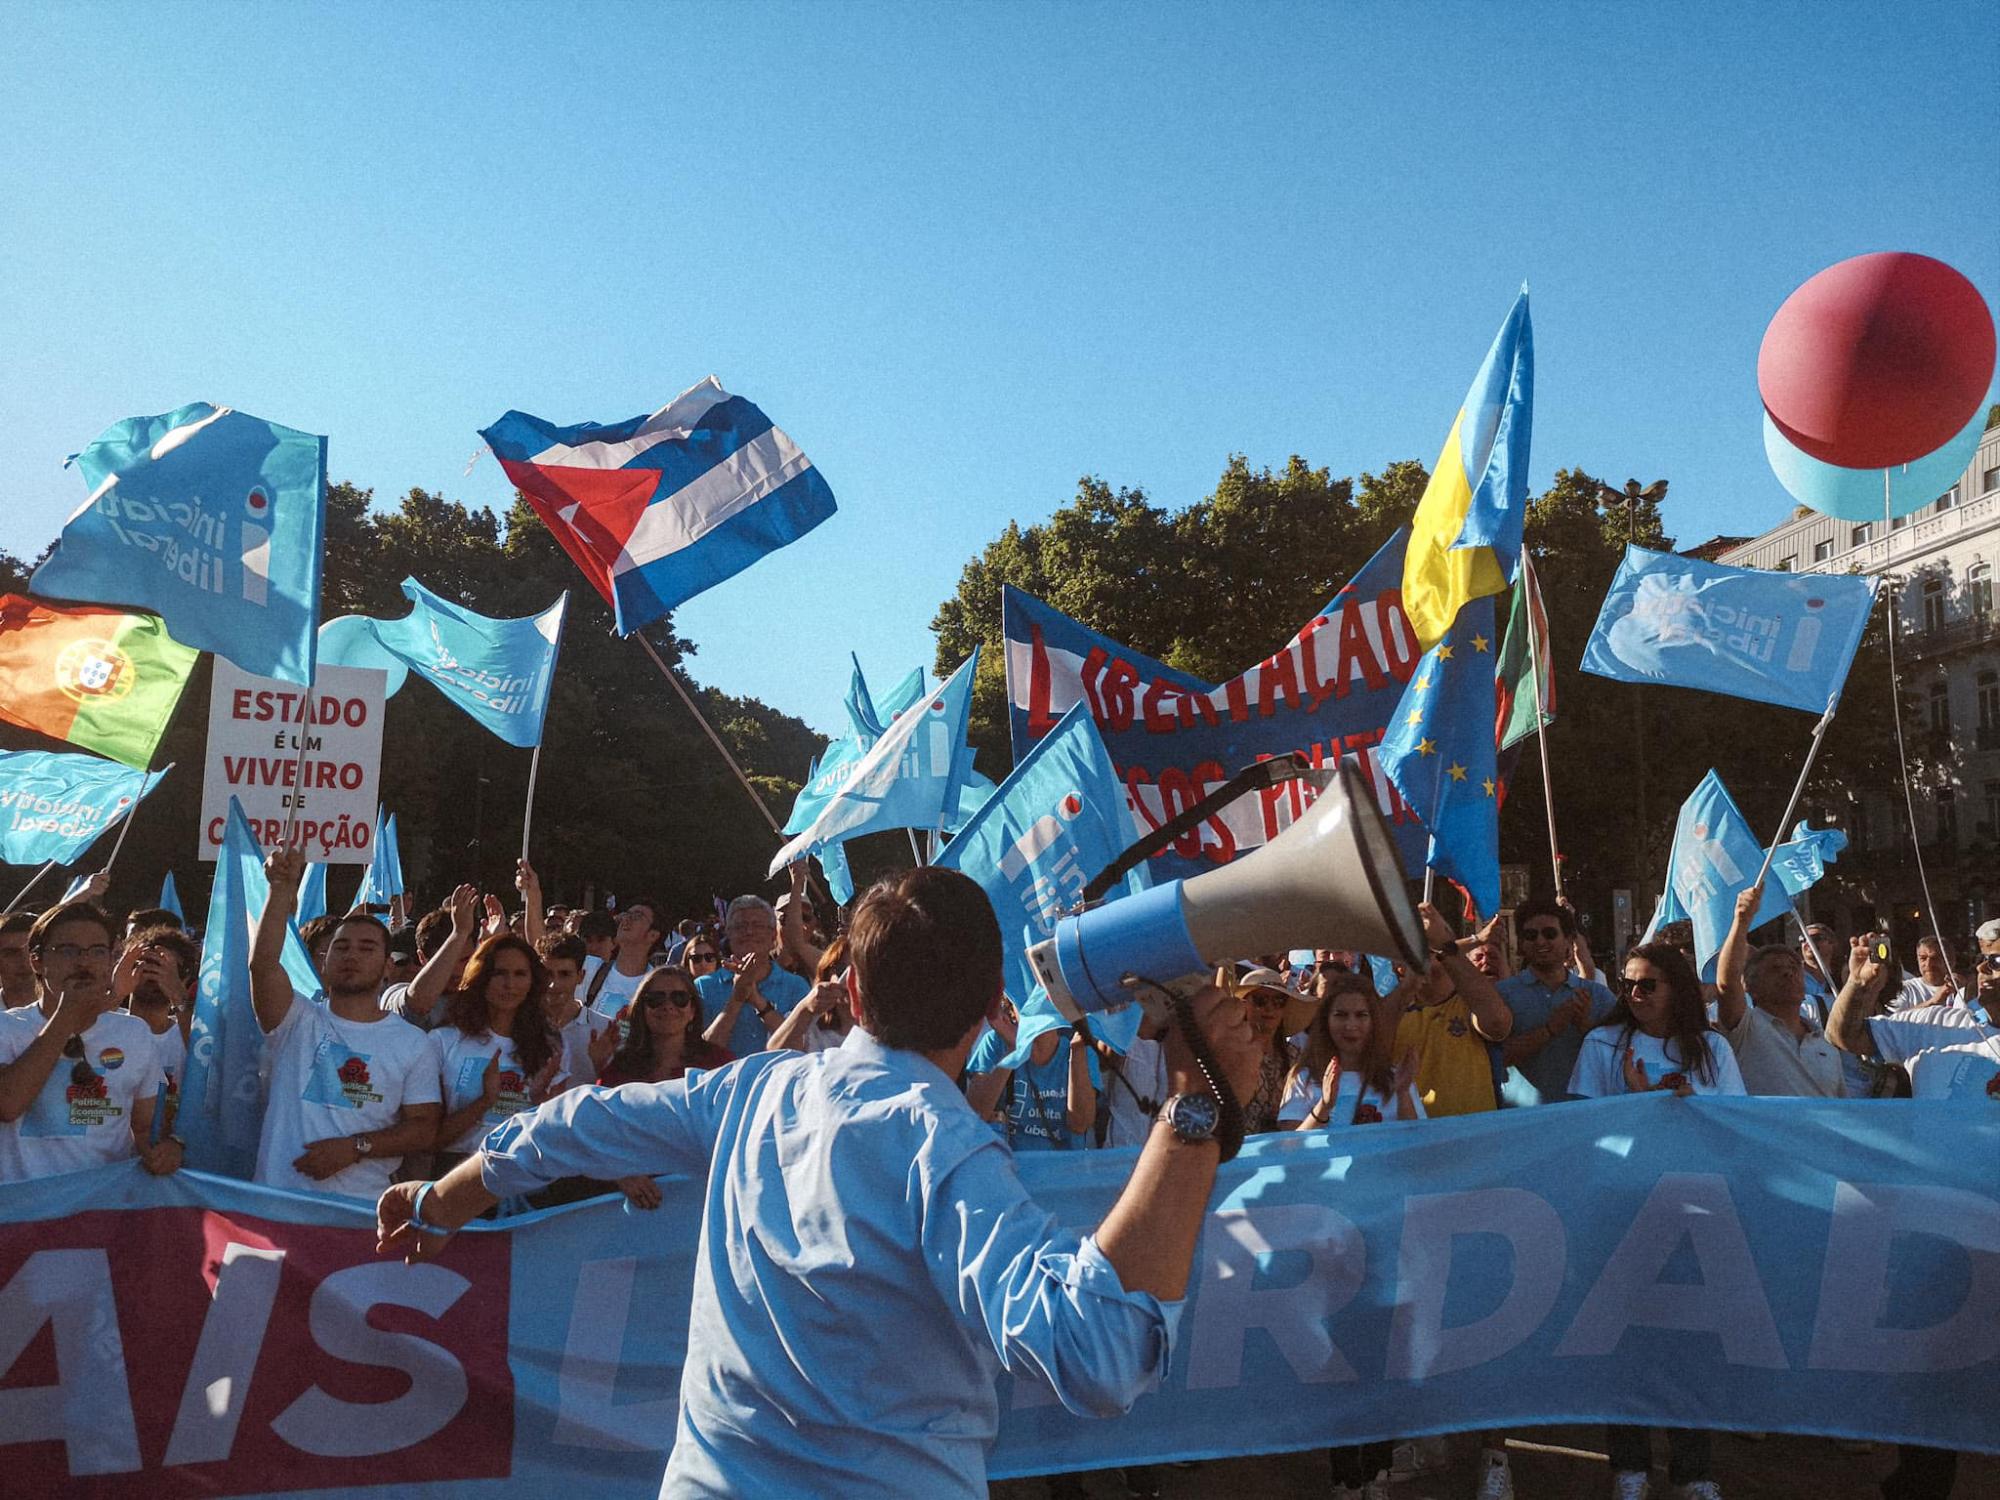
(1465,541)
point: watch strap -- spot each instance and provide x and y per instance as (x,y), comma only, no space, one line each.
(1229,1124)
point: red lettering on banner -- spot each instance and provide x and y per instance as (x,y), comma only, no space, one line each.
(1398,639)
(1116,684)
(1236,693)
(1177,795)
(1208,776)
(1158,719)
(1040,721)
(1093,670)
(1277,678)
(1136,777)
(285,1357)
(1357,652)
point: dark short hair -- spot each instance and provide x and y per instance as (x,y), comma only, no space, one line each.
(926,952)
(362,919)
(403,943)
(652,906)
(595,924)
(18,921)
(1544,906)
(1676,934)
(317,930)
(568,946)
(69,911)
(151,916)
(170,936)
(432,931)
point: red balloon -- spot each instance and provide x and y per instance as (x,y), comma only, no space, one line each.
(1877,360)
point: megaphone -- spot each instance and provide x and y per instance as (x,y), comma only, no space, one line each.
(1330,880)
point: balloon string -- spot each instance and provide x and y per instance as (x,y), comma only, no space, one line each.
(1902,753)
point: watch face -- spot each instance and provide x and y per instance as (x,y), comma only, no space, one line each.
(1193,1116)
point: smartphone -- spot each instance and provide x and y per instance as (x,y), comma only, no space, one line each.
(1881,951)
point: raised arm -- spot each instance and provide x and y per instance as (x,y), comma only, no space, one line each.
(1847,1026)
(1080,1103)
(441,969)
(1734,958)
(791,1032)
(802,951)
(529,884)
(1491,1017)
(270,985)
(1580,956)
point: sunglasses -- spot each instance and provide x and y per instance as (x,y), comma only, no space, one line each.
(83,1073)
(653,998)
(1265,1000)
(1532,933)
(708,956)
(1646,987)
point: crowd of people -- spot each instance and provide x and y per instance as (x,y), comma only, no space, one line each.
(424,1039)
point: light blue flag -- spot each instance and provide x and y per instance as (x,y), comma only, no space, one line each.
(53,804)
(1061,817)
(1497,420)
(222,1097)
(212,519)
(375,878)
(839,879)
(312,894)
(1801,861)
(170,899)
(1784,638)
(908,779)
(497,670)
(1439,754)
(836,763)
(1715,857)
(392,859)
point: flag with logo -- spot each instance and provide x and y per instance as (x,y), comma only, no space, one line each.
(54,805)
(1465,540)
(497,670)
(1439,754)
(655,509)
(908,779)
(104,680)
(1800,862)
(211,518)
(1524,664)
(836,763)
(1060,818)
(1784,638)
(222,1095)
(1715,857)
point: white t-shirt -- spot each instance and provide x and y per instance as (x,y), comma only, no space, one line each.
(577,1034)
(172,1049)
(83,1115)
(1600,1065)
(1948,1053)
(617,990)
(461,1062)
(333,1077)
(1302,1096)
(1143,1073)
(1773,1063)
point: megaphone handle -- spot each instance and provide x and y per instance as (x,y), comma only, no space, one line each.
(1229,1127)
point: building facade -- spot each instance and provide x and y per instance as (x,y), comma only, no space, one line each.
(1940,563)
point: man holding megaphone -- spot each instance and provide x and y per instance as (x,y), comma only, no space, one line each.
(869,1260)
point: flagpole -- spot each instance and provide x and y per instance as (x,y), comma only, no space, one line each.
(528,812)
(713,738)
(299,772)
(535,761)
(915,853)
(124,827)
(1535,645)
(1798,790)
(33,881)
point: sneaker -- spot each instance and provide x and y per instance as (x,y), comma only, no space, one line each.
(1496,1478)
(1700,1489)
(1630,1484)
(1424,1455)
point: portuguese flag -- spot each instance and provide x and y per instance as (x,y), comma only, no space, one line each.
(1513,672)
(102,679)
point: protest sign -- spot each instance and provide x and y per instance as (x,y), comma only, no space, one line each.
(253,756)
(1745,1264)
(1328,692)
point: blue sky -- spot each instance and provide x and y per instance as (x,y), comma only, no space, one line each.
(964,255)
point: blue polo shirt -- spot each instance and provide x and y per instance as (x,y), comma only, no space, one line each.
(781,987)
(1544,1078)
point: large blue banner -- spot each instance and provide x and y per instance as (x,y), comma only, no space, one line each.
(1174,738)
(1752,1264)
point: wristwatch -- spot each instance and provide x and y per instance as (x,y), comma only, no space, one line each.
(1192,1117)
(362,1145)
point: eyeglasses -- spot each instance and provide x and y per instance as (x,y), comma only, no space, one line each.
(1265,1000)
(1646,987)
(69,953)
(654,998)
(704,958)
(83,1074)
(1543,933)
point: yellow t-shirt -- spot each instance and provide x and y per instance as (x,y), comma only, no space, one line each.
(1454,1069)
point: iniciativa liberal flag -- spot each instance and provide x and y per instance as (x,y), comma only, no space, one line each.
(100,679)
(1465,540)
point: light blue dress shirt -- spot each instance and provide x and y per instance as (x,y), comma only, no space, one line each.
(781,987)
(870,1264)
(1544,1078)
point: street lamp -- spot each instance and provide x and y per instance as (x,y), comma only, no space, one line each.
(1629,497)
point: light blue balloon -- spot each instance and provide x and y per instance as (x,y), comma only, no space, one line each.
(1856,494)
(350,641)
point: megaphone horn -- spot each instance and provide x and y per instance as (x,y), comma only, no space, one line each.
(1330,880)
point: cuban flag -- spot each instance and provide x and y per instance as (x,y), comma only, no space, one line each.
(658,508)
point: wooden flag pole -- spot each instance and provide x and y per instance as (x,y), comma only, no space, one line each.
(535,761)
(713,738)
(1535,644)
(33,881)
(298,772)
(124,827)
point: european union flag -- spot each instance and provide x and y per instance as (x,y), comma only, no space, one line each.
(212,519)
(222,1097)
(1053,824)
(1439,754)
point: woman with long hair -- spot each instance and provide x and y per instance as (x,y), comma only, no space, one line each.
(822,1020)
(663,1032)
(1657,1036)
(1341,1073)
(497,1051)
(1266,995)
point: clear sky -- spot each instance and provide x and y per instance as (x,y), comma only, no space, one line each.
(963,254)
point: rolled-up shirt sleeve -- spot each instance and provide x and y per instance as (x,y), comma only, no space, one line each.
(1047,1298)
(634,1129)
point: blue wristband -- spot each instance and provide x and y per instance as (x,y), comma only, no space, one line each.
(417,1220)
